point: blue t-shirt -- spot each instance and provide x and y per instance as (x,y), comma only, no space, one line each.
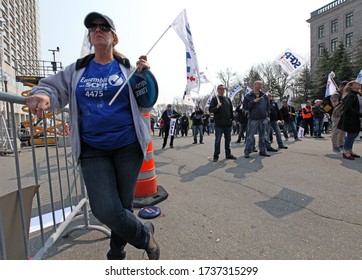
(103,126)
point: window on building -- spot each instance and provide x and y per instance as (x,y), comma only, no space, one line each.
(334,44)
(320,48)
(13,63)
(6,46)
(349,19)
(7,58)
(334,26)
(321,31)
(349,39)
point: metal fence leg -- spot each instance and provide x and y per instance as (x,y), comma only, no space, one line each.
(85,208)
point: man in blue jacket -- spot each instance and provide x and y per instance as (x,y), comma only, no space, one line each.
(257,103)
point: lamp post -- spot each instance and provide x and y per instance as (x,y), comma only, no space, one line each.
(54,64)
(5,80)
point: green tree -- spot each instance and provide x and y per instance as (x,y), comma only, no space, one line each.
(320,77)
(357,58)
(341,64)
(302,85)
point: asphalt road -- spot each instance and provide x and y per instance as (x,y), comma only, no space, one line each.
(301,203)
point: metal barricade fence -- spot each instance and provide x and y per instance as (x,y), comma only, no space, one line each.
(41,188)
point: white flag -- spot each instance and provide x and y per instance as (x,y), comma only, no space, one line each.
(331,86)
(87,47)
(203,78)
(182,28)
(289,102)
(236,89)
(248,90)
(187,99)
(290,61)
(212,94)
(359,77)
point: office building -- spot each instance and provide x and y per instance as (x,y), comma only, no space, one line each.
(338,21)
(19,45)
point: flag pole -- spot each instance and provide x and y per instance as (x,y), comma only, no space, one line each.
(134,71)
(213,85)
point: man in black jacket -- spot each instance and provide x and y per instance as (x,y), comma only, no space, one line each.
(222,108)
(167,115)
(242,119)
(197,126)
(288,114)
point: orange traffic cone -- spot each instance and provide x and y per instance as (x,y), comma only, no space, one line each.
(147,191)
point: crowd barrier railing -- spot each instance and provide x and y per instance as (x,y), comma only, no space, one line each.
(42,193)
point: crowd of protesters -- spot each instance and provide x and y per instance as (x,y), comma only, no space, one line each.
(339,115)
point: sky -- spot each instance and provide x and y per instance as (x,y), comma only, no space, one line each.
(230,34)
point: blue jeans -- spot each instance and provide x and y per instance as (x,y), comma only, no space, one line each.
(110,178)
(219,131)
(198,129)
(349,140)
(290,127)
(256,125)
(273,125)
(317,126)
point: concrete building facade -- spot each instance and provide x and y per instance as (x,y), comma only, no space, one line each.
(19,43)
(338,21)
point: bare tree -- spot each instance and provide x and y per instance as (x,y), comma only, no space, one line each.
(227,78)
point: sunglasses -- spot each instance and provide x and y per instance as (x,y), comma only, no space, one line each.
(102,27)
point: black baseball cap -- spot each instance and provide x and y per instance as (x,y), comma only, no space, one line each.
(93,15)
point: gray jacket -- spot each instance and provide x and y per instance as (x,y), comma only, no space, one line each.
(61,90)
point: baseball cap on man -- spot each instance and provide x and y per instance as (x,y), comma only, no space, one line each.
(88,21)
(343,83)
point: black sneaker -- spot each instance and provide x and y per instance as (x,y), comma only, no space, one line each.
(271,149)
(230,157)
(215,159)
(153,250)
(283,147)
(171,146)
(264,154)
(121,256)
(246,156)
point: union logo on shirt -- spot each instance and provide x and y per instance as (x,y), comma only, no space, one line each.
(115,80)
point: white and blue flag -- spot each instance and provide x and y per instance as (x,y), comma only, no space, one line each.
(182,28)
(248,90)
(236,89)
(331,86)
(359,77)
(290,61)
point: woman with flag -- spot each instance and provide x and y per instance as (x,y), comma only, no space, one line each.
(110,142)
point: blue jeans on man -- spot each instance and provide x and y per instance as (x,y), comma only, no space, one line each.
(219,131)
(273,125)
(261,126)
(318,126)
(198,129)
(290,127)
